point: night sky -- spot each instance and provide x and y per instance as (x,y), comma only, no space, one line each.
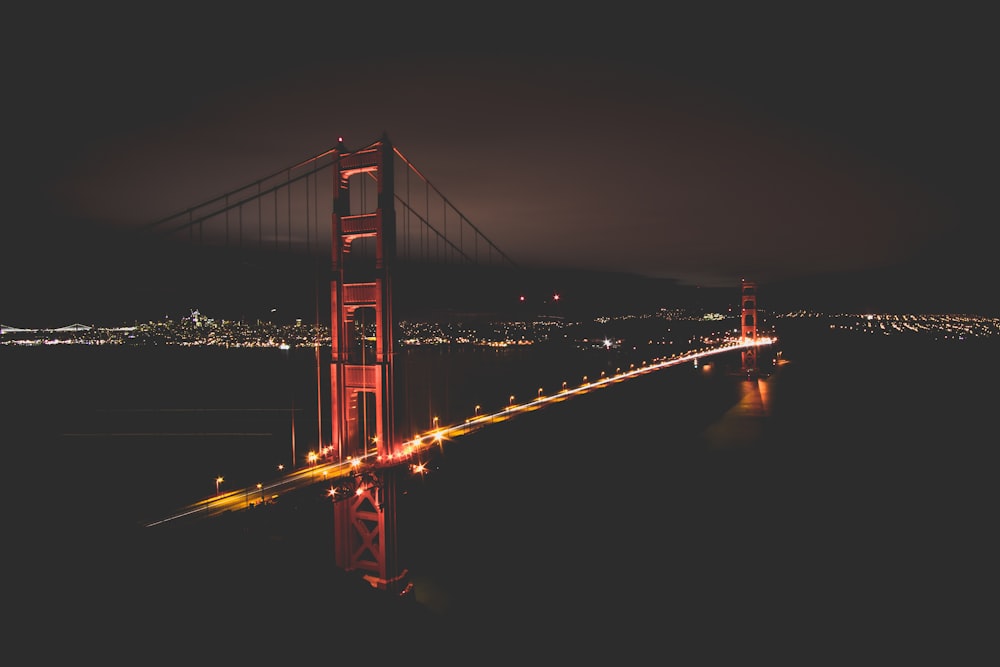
(801,150)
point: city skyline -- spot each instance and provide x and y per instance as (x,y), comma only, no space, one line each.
(200,329)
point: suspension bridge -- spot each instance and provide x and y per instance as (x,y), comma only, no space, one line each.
(352,220)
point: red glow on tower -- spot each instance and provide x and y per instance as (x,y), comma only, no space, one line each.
(362,382)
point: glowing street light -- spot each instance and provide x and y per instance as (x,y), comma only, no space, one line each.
(218,481)
(478,408)
(435,423)
(539,392)
(510,403)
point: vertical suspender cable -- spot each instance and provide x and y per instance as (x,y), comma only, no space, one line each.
(427,216)
(406,212)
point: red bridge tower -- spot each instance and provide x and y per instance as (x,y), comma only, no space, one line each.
(361,373)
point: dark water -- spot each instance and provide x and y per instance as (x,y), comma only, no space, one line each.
(853,510)
(853,514)
(164,423)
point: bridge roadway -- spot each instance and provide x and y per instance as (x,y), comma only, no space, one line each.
(333,472)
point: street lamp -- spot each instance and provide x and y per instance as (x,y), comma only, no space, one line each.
(478,408)
(218,481)
(435,423)
(539,392)
(510,403)
(260,490)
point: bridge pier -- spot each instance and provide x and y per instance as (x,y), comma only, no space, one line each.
(366,537)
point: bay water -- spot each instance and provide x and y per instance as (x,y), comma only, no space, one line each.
(844,493)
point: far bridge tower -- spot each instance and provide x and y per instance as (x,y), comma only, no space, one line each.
(748,326)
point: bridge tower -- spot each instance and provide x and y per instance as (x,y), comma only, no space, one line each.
(361,377)
(748,325)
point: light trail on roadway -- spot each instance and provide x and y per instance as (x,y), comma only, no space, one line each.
(408,452)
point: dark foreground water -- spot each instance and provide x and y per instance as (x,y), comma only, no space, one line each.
(839,509)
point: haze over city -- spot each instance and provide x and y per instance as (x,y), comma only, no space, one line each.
(813,151)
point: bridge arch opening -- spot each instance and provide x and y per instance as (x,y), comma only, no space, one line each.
(361,426)
(361,342)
